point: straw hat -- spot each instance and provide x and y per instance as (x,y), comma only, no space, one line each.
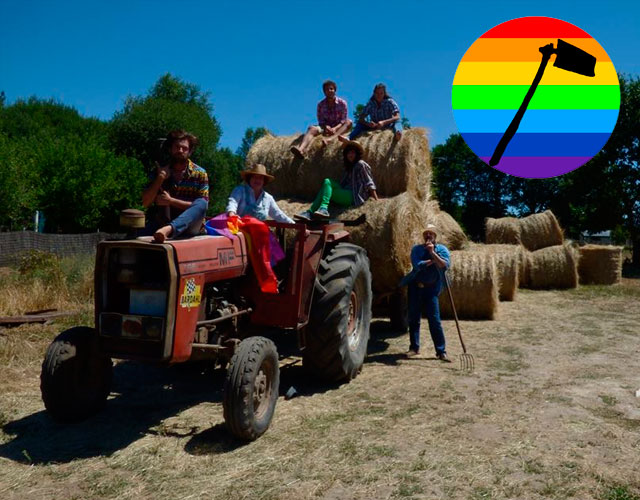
(356,145)
(430,229)
(257,169)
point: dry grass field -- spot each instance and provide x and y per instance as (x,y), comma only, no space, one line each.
(550,412)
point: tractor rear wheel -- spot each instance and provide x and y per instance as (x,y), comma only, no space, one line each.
(251,388)
(338,329)
(76,378)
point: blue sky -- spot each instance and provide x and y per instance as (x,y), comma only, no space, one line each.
(264,62)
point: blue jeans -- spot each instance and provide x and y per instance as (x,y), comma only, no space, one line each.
(359,128)
(419,298)
(188,223)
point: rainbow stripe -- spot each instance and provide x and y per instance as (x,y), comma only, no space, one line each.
(570,116)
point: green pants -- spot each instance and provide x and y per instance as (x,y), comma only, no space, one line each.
(331,191)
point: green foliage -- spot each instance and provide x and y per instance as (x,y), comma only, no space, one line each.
(18,200)
(226,168)
(82,186)
(44,266)
(251,135)
(466,187)
(172,104)
(3,98)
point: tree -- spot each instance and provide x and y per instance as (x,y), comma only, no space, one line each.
(251,135)
(605,193)
(3,98)
(171,104)
(226,175)
(468,188)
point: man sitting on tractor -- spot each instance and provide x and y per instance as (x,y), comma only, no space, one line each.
(180,191)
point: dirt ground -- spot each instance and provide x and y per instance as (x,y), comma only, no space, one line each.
(550,412)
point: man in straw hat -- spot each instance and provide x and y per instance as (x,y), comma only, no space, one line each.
(430,260)
(354,189)
(333,119)
(250,198)
(179,191)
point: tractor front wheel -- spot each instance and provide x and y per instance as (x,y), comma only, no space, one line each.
(251,388)
(76,378)
(338,329)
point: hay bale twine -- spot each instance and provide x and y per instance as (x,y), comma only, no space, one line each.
(540,231)
(510,265)
(600,264)
(474,286)
(392,227)
(505,230)
(396,166)
(552,267)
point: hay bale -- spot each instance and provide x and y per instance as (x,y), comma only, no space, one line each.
(393,226)
(510,265)
(396,166)
(600,264)
(552,267)
(474,286)
(505,230)
(540,231)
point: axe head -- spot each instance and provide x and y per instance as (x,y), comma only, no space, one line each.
(572,58)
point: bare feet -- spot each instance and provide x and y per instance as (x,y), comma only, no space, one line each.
(343,139)
(325,141)
(163,233)
(398,135)
(297,152)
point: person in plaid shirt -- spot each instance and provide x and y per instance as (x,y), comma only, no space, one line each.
(382,111)
(333,119)
(179,191)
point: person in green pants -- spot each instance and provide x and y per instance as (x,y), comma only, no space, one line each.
(354,189)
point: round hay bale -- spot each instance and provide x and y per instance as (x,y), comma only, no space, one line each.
(392,227)
(505,230)
(540,231)
(552,267)
(474,286)
(396,166)
(450,234)
(510,264)
(600,264)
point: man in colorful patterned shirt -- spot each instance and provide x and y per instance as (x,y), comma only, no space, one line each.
(178,191)
(333,119)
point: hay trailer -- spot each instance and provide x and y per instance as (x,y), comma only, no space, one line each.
(198,299)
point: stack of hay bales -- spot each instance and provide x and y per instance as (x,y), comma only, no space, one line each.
(402,173)
(600,265)
(511,266)
(550,261)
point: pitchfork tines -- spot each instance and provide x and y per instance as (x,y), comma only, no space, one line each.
(466,359)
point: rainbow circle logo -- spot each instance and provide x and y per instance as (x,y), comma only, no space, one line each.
(536,97)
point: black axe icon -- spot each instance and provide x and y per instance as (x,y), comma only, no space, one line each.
(568,57)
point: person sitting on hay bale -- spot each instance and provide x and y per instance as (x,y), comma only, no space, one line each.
(430,260)
(333,119)
(382,111)
(354,189)
(179,192)
(250,198)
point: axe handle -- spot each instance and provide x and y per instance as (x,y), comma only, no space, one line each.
(547,50)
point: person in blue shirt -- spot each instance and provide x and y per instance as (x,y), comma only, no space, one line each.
(250,198)
(430,260)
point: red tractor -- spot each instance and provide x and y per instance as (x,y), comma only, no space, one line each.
(198,299)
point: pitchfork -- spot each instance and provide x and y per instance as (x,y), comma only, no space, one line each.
(466,359)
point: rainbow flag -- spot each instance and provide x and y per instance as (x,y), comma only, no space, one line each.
(570,116)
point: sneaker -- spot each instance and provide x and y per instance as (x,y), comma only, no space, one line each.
(412,353)
(306,215)
(321,213)
(443,357)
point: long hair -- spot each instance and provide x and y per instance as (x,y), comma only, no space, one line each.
(347,164)
(326,83)
(379,86)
